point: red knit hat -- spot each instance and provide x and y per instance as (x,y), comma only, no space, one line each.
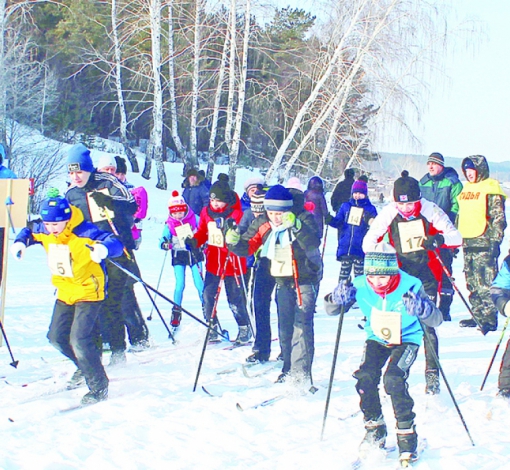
(176,203)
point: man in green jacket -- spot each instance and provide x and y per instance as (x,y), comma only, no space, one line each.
(442,186)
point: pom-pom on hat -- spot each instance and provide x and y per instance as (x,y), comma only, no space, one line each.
(381,261)
(121,165)
(176,203)
(251,182)
(55,208)
(78,159)
(436,157)
(278,199)
(257,201)
(406,189)
(106,160)
(359,186)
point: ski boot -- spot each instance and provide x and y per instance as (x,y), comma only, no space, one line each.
(95,396)
(445,301)
(117,358)
(176,316)
(257,357)
(244,335)
(468,323)
(432,382)
(76,381)
(214,337)
(375,436)
(407,440)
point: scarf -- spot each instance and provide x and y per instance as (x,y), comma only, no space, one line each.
(388,288)
(278,234)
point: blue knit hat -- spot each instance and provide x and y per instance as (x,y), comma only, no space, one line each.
(55,208)
(78,159)
(279,199)
(381,261)
(359,186)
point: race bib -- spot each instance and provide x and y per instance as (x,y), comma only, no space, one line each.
(355,216)
(183,232)
(411,235)
(281,264)
(98,214)
(215,235)
(59,260)
(387,325)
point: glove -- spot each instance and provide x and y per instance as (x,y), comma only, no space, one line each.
(102,200)
(191,243)
(494,250)
(344,294)
(137,220)
(433,241)
(99,253)
(18,250)
(232,237)
(414,304)
(165,244)
(506,310)
(289,221)
(327,218)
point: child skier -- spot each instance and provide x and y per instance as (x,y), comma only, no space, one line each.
(291,244)
(181,223)
(352,221)
(76,250)
(223,205)
(396,306)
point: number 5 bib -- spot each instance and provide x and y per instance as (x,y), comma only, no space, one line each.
(59,260)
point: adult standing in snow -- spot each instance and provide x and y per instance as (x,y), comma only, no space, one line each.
(417,228)
(138,332)
(5,173)
(195,191)
(107,203)
(76,252)
(342,191)
(442,186)
(396,306)
(315,194)
(482,223)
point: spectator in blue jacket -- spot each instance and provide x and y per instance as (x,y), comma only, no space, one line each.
(352,221)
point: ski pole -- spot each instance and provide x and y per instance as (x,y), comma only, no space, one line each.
(243,282)
(436,359)
(450,278)
(495,353)
(13,363)
(211,319)
(159,281)
(333,366)
(164,297)
(170,335)
(8,203)
(324,242)
(295,273)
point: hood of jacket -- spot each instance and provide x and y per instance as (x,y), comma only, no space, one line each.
(481,166)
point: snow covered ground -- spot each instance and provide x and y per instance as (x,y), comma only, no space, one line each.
(153,419)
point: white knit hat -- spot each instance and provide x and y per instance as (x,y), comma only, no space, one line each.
(106,160)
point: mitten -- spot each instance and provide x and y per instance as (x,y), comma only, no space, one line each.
(98,253)
(191,243)
(433,241)
(289,220)
(165,244)
(102,200)
(232,237)
(413,303)
(344,294)
(18,250)
(327,218)
(506,310)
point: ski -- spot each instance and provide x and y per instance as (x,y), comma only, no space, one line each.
(407,459)
(264,371)
(352,415)
(268,402)
(368,459)
(26,384)
(236,345)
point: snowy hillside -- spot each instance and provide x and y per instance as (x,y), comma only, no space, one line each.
(153,420)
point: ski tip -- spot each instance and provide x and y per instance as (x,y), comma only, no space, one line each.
(239,407)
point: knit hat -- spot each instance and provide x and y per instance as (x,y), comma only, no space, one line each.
(468,164)
(78,159)
(121,165)
(381,261)
(250,182)
(107,160)
(315,182)
(176,203)
(278,199)
(191,172)
(359,186)
(436,157)
(257,201)
(349,173)
(221,190)
(55,208)
(406,189)
(295,183)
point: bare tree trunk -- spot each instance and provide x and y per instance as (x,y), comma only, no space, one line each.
(120,94)
(231,75)
(174,124)
(236,139)
(155,148)
(195,84)
(3,73)
(216,111)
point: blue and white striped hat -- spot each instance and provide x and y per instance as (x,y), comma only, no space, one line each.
(381,261)
(278,198)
